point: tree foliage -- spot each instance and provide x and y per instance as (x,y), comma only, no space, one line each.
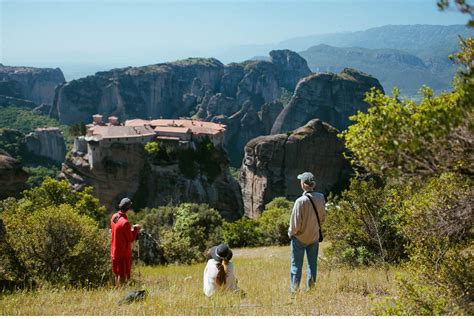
(24,120)
(425,150)
(54,193)
(462,5)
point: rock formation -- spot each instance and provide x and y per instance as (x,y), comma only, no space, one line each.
(150,251)
(292,68)
(271,164)
(34,84)
(47,142)
(201,88)
(326,96)
(125,170)
(12,176)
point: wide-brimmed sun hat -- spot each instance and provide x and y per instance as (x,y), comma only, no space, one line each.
(221,252)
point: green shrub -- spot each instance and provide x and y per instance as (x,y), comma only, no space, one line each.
(243,232)
(362,225)
(439,279)
(200,223)
(270,228)
(185,232)
(178,249)
(157,152)
(274,222)
(54,193)
(57,245)
(39,173)
(153,220)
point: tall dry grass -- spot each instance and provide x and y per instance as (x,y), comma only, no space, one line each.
(263,274)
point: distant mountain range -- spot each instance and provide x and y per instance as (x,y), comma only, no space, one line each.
(406,56)
(392,67)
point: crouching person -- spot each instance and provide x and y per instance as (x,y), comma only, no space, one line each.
(219,271)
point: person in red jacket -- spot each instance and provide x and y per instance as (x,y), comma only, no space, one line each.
(123,235)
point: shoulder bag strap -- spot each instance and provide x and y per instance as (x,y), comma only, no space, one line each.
(317,215)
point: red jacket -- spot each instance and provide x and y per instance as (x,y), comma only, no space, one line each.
(122,236)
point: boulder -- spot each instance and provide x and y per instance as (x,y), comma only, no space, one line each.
(148,251)
(272,163)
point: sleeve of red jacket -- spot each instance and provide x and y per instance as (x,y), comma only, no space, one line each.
(131,234)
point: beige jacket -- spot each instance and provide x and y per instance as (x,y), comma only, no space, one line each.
(303,222)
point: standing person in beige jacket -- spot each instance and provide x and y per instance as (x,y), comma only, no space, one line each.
(304,231)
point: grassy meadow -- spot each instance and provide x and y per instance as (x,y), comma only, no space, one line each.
(263,273)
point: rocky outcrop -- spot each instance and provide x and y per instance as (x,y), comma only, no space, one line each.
(326,96)
(12,176)
(47,142)
(292,68)
(201,88)
(34,84)
(271,164)
(167,90)
(124,170)
(149,250)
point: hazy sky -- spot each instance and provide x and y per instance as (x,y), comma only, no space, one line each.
(52,33)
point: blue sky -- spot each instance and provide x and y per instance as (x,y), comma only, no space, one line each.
(52,33)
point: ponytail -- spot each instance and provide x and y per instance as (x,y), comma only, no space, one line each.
(221,277)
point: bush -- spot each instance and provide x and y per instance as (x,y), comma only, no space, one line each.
(362,225)
(155,219)
(270,228)
(39,173)
(157,153)
(200,223)
(242,233)
(274,221)
(178,249)
(439,279)
(184,233)
(54,193)
(57,245)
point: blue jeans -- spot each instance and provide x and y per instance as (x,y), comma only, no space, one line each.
(297,257)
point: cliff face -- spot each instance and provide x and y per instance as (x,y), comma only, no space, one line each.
(34,84)
(326,96)
(47,142)
(12,176)
(201,88)
(272,163)
(124,170)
